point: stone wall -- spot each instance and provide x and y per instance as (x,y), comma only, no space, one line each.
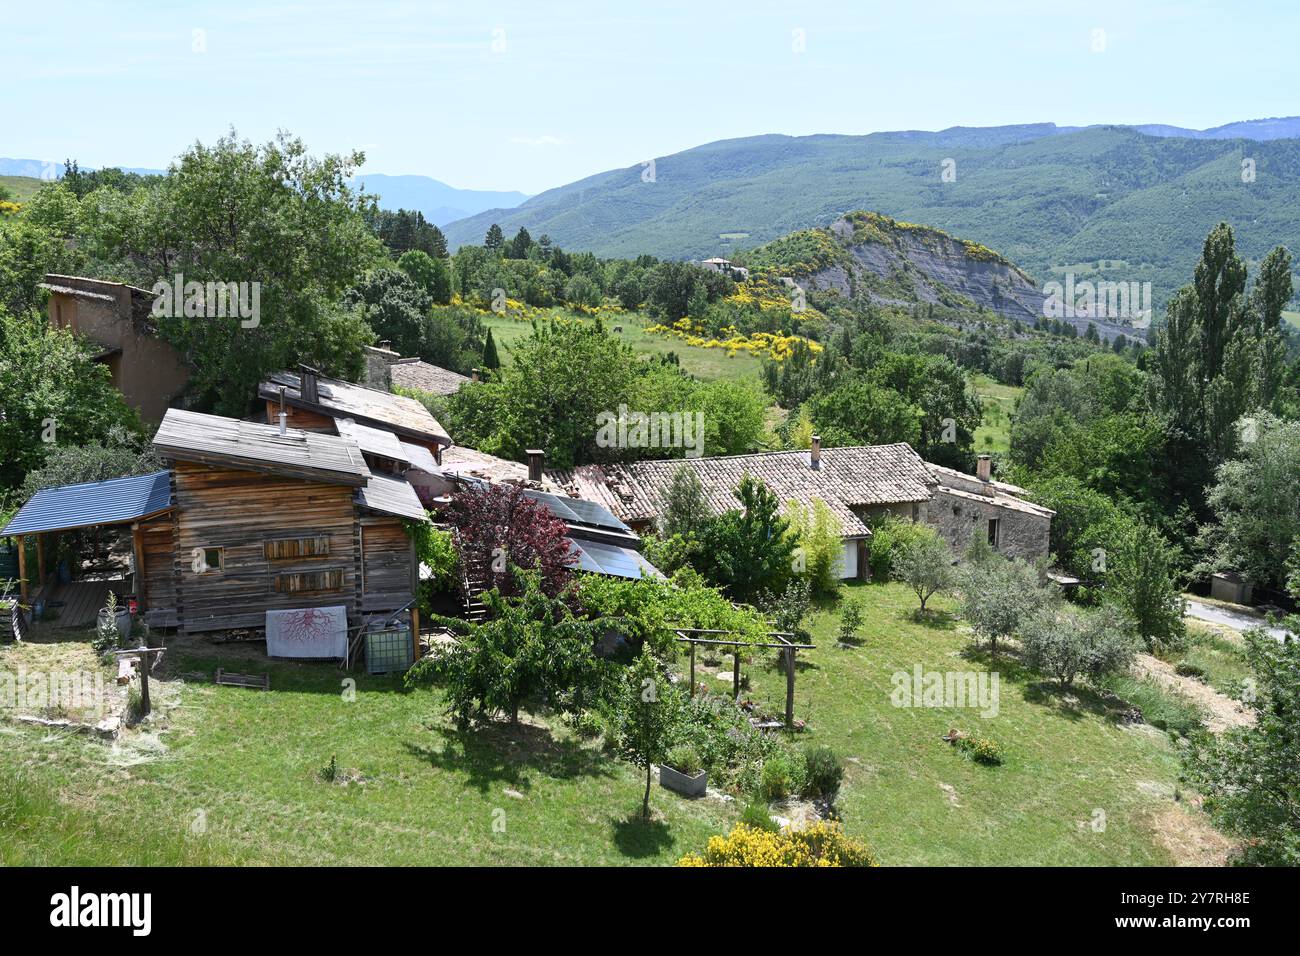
(958,516)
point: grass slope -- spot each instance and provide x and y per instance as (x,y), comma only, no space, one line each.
(21,188)
(231,775)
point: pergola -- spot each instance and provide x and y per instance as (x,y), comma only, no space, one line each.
(688,635)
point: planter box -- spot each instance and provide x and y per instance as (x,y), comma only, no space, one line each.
(679,782)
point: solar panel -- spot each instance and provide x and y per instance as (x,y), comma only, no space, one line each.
(610,559)
(593,514)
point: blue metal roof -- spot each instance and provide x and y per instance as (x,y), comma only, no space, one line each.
(94,503)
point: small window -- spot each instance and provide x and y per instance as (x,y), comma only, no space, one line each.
(293,583)
(995,529)
(203,560)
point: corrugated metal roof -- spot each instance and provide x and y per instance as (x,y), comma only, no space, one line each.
(374,441)
(420,457)
(94,503)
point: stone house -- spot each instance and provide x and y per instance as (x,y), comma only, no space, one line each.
(859,484)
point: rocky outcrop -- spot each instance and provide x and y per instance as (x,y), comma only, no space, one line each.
(871,256)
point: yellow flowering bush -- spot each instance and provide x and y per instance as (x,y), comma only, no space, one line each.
(822,844)
(776,345)
(9,208)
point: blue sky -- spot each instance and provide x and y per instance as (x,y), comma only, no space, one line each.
(532,95)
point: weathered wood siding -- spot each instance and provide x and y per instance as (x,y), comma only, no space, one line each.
(157,572)
(300,418)
(240,511)
(387,565)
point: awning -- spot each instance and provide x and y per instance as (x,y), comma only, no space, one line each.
(116,501)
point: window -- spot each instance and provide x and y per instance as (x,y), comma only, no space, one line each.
(203,560)
(292,583)
(315,546)
(995,528)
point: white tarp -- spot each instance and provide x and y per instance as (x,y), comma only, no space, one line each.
(307,632)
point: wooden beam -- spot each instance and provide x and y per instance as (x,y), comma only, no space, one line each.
(735,676)
(40,559)
(415,633)
(692,670)
(789,687)
(22,567)
(141,581)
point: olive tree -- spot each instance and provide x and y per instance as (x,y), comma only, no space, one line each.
(924,564)
(1065,642)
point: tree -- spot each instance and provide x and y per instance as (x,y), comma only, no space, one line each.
(1256,503)
(432,276)
(1142,579)
(857,412)
(1250,776)
(685,512)
(394,306)
(52,394)
(820,544)
(501,528)
(749,551)
(530,651)
(924,564)
(1066,642)
(520,244)
(997,595)
(490,358)
(494,241)
(235,212)
(647,715)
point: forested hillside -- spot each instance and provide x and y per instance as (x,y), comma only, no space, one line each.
(1106,202)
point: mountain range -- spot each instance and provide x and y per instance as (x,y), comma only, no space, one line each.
(439,202)
(1106,202)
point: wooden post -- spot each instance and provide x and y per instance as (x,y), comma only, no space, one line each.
(789,687)
(40,559)
(735,677)
(692,669)
(415,633)
(22,567)
(142,655)
(141,588)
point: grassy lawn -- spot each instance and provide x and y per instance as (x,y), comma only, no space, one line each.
(994,432)
(705,364)
(1293,318)
(21,188)
(242,768)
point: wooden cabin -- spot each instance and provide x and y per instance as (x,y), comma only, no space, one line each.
(267,519)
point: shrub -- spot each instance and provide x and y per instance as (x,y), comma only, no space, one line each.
(997,595)
(887,538)
(851,617)
(330,772)
(755,815)
(1065,642)
(981,749)
(824,770)
(820,544)
(1160,707)
(685,759)
(822,844)
(1188,669)
(784,774)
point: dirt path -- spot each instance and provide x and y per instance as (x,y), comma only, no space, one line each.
(1224,712)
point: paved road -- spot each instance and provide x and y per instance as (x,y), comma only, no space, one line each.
(1234,619)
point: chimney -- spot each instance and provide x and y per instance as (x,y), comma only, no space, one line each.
(815,453)
(984,471)
(284,416)
(379,364)
(307,384)
(536,457)
(473,375)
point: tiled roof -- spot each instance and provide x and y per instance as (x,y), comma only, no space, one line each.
(476,464)
(415,374)
(848,477)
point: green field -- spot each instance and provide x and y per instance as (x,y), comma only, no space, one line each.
(994,432)
(21,188)
(1292,318)
(229,775)
(705,364)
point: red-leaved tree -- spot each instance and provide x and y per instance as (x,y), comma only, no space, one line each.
(501,527)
